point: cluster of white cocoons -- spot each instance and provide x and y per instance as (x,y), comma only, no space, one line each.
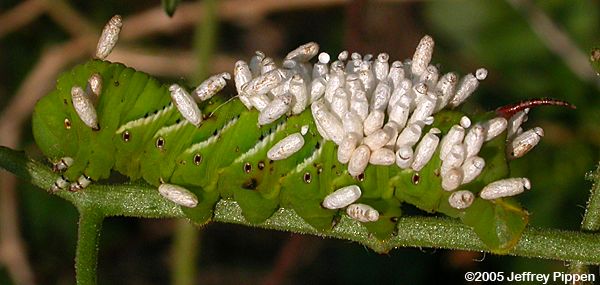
(373,110)
(377,111)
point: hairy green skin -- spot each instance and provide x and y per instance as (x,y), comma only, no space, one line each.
(213,160)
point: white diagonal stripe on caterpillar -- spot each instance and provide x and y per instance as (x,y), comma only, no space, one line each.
(169,129)
(212,139)
(146,120)
(309,160)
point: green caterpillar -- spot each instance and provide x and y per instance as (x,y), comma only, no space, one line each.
(139,132)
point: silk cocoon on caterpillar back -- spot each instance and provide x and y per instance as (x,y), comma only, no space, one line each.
(358,137)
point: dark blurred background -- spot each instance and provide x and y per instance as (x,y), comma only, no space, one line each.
(531,49)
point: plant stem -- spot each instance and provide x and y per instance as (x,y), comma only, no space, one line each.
(141,200)
(185,252)
(86,258)
(591,219)
(205,38)
(432,232)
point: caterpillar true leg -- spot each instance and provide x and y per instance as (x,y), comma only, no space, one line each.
(60,184)
(82,182)
(62,164)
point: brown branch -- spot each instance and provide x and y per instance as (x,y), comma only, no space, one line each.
(20,15)
(154,20)
(167,62)
(69,19)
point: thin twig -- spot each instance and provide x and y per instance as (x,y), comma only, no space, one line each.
(556,40)
(591,218)
(69,19)
(86,255)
